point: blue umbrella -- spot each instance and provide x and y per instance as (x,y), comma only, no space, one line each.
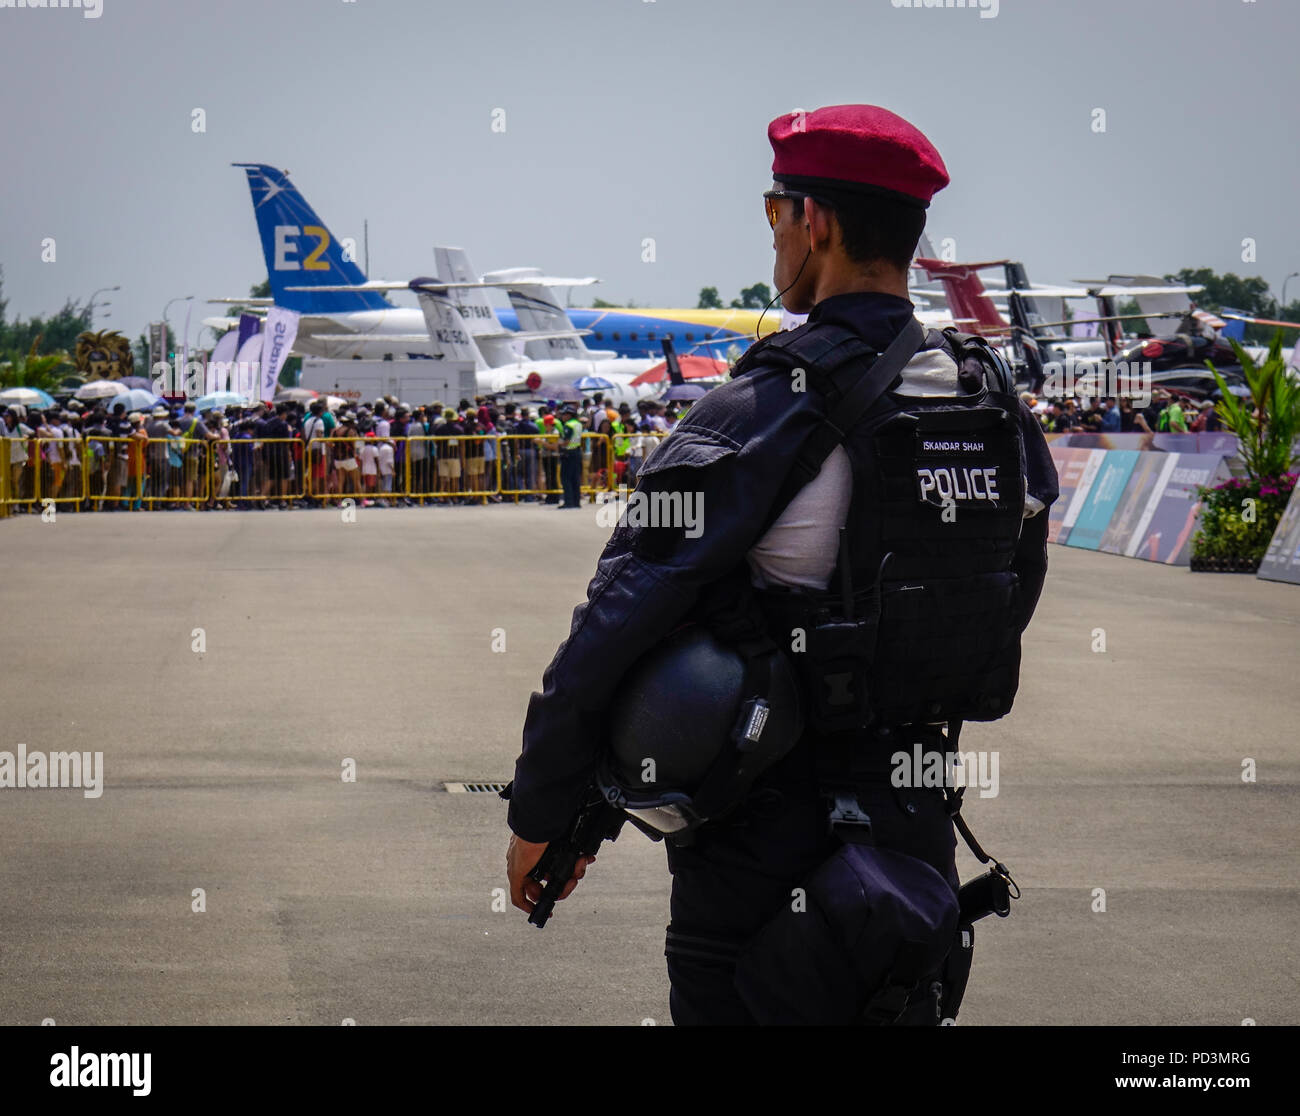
(593,383)
(219,399)
(28,397)
(561,393)
(685,391)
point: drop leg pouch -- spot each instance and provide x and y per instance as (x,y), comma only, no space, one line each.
(852,944)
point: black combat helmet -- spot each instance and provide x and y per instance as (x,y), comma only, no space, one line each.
(695,722)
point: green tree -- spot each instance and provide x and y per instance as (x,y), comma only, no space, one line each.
(1131,325)
(709,299)
(1250,295)
(753,298)
(257,290)
(1267,422)
(36,371)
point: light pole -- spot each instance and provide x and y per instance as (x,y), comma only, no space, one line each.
(178,298)
(177,370)
(91,305)
(1294,275)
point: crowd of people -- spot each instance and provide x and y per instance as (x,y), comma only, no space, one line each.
(1167,412)
(102,457)
(282,454)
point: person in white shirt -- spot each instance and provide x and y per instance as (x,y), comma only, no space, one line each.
(386,456)
(368,451)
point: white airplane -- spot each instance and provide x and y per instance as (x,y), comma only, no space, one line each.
(461,325)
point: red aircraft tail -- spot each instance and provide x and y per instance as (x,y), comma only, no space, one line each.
(968,302)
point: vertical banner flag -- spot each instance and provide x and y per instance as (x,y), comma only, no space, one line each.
(1282,561)
(277,340)
(223,355)
(247,369)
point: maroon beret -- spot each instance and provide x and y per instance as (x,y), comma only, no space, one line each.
(859,148)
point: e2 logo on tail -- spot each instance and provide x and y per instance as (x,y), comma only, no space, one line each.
(285,247)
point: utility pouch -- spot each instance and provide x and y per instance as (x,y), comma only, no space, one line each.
(836,665)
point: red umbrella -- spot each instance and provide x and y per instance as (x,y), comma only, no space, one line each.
(693,368)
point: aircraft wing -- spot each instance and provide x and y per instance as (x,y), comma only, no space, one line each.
(1113,291)
(375,338)
(369,285)
(432,284)
(532,334)
(1050,292)
(242,301)
(1258,321)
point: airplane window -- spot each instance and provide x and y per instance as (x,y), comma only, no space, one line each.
(615,336)
(631,336)
(599,336)
(690,337)
(650,336)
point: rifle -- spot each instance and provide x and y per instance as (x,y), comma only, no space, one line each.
(595,822)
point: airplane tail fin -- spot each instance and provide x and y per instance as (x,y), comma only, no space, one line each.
(476,309)
(968,302)
(1168,306)
(449,337)
(539,310)
(300,251)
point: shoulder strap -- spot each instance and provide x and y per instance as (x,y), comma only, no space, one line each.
(992,359)
(851,405)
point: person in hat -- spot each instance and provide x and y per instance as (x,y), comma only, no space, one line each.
(751,492)
(570,431)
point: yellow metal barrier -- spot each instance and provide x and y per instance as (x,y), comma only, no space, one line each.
(21,461)
(355,468)
(137,470)
(4,476)
(530,465)
(141,472)
(258,470)
(60,477)
(463,466)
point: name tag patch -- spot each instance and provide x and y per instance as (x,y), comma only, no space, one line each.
(951,445)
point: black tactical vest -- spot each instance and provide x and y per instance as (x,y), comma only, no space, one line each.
(920,622)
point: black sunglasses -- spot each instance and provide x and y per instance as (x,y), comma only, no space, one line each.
(771,197)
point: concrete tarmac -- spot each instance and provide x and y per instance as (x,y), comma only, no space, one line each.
(1146,692)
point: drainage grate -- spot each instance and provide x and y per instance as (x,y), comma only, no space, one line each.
(481,787)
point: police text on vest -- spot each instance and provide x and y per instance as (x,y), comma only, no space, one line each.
(959,483)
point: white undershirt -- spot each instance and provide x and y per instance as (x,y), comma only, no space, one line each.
(801,547)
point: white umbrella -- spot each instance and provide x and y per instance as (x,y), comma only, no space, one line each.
(27,397)
(100,389)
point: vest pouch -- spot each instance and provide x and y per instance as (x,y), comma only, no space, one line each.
(832,656)
(836,668)
(953,648)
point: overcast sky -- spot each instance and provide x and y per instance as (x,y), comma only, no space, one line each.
(626,120)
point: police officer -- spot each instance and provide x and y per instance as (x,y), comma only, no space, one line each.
(847,207)
(570,456)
